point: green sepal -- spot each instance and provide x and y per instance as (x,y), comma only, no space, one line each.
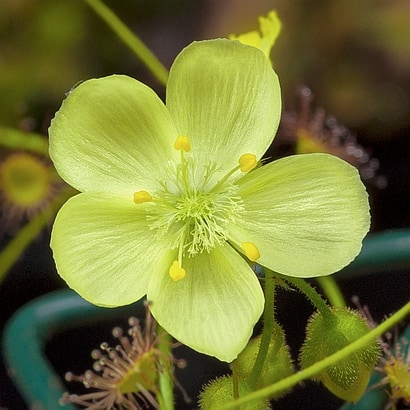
(327,334)
(220,391)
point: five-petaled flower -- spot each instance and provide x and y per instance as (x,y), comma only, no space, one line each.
(173,204)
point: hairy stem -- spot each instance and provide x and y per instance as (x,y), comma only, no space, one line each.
(268,327)
(310,293)
(331,290)
(166,384)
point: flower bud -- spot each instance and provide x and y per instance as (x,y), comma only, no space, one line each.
(277,363)
(220,391)
(327,334)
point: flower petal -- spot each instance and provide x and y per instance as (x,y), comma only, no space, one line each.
(111,134)
(225,96)
(104,249)
(307,214)
(214,308)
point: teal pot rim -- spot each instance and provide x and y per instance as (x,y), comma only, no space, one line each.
(33,326)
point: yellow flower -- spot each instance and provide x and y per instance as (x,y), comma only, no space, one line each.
(264,39)
(174,206)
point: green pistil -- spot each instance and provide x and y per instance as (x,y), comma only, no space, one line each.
(194,217)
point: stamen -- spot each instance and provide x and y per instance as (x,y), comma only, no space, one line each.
(142,196)
(124,376)
(182,143)
(251,251)
(247,162)
(176,271)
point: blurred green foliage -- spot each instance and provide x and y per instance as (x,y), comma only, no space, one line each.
(47,46)
(353,54)
(38,55)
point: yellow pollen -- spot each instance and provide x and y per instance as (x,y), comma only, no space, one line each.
(247,162)
(176,271)
(251,251)
(142,196)
(182,143)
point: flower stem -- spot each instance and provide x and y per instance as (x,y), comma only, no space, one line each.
(131,40)
(166,394)
(235,380)
(268,327)
(289,382)
(331,290)
(310,293)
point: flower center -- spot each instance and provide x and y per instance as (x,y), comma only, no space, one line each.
(196,218)
(194,208)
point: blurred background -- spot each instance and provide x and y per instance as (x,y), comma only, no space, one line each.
(353,55)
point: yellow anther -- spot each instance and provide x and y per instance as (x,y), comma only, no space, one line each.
(176,271)
(142,196)
(247,162)
(182,143)
(251,251)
